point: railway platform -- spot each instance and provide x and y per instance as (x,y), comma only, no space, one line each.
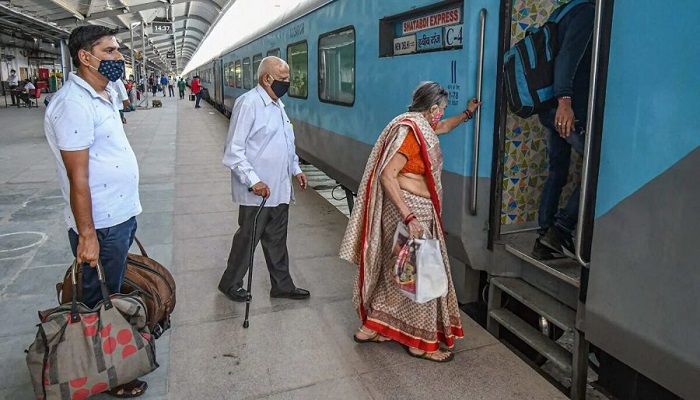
(292,350)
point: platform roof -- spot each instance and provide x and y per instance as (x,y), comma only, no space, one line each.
(46,22)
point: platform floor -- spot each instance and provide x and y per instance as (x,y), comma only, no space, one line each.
(292,350)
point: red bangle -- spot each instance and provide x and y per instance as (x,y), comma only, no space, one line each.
(410,217)
(469,114)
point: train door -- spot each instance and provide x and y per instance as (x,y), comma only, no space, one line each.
(533,292)
(521,163)
(217,82)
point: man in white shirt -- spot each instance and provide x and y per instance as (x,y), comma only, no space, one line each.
(13,83)
(97,169)
(261,154)
(122,100)
(24,95)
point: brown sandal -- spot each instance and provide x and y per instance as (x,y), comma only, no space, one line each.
(430,355)
(129,390)
(372,337)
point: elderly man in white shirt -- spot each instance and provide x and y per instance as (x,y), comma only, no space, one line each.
(261,155)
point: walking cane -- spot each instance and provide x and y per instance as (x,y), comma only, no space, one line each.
(250,266)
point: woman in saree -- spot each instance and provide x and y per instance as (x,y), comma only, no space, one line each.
(402,183)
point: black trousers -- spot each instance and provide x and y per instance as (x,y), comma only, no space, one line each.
(271,232)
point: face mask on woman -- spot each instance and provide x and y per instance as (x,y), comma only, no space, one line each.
(436,117)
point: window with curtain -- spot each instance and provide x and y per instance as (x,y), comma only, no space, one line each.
(298,60)
(246,74)
(237,73)
(256,65)
(336,67)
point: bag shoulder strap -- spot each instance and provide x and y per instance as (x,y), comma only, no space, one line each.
(561,12)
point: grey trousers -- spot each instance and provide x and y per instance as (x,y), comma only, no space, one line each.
(271,232)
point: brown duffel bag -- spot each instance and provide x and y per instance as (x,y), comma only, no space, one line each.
(143,274)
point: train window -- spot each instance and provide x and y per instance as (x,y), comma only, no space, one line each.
(237,76)
(336,66)
(256,64)
(229,74)
(246,73)
(298,60)
(274,52)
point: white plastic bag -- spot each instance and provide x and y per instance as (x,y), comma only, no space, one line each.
(419,270)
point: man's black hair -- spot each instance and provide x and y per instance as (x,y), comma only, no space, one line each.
(12,70)
(85,38)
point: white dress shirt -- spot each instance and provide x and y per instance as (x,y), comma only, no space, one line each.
(13,80)
(260,147)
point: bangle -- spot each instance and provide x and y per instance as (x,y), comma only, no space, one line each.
(410,217)
(565,97)
(468,114)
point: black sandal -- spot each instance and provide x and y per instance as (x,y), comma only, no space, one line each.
(428,355)
(372,337)
(127,389)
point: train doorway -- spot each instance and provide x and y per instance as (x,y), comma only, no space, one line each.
(521,164)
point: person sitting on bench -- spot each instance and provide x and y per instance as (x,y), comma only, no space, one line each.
(28,85)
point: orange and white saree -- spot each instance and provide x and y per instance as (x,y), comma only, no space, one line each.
(368,243)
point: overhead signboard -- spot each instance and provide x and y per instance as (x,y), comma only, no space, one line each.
(170,54)
(405,45)
(442,18)
(161,28)
(429,39)
(173,63)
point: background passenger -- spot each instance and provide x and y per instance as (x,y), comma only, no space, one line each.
(13,83)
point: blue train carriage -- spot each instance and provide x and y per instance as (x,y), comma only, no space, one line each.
(632,293)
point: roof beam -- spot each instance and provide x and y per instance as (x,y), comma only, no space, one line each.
(133,9)
(160,41)
(197,18)
(70,8)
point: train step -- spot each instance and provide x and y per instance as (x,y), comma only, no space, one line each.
(565,269)
(543,304)
(542,344)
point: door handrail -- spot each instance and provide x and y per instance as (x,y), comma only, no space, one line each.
(477,118)
(586,169)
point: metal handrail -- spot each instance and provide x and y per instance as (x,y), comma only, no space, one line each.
(477,119)
(586,172)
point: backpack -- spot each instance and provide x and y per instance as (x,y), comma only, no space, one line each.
(144,275)
(529,66)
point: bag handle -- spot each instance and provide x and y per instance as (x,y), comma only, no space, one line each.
(138,243)
(74,315)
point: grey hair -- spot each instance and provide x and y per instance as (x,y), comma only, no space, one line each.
(267,64)
(426,95)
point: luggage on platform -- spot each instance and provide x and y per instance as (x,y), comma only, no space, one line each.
(144,275)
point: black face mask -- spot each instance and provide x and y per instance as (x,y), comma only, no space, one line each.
(279,88)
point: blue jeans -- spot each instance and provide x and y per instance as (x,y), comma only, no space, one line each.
(559,151)
(197,98)
(114,247)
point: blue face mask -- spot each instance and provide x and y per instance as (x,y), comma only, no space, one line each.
(111,69)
